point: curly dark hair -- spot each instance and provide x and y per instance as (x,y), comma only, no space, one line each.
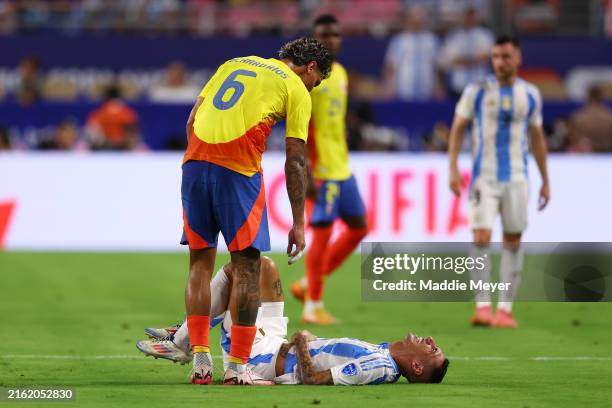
(303,50)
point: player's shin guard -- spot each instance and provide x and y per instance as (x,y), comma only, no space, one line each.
(482,297)
(199,328)
(242,342)
(336,253)
(510,272)
(314,261)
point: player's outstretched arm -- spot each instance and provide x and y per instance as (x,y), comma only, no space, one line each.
(540,152)
(308,374)
(295,173)
(455,140)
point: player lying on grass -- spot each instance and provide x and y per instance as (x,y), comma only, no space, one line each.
(305,359)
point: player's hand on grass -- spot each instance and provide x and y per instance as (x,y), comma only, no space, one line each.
(297,243)
(544,196)
(455,181)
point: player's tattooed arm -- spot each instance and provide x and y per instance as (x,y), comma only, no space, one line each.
(284,349)
(308,374)
(191,119)
(295,173)
(312,191)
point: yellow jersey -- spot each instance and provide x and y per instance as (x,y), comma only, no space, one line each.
(242,101)
(327,148)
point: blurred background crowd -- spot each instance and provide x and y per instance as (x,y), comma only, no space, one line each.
(122,74)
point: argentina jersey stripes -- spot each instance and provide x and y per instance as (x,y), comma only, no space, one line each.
(501,117)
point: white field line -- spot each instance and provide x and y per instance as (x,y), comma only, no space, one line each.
(140,356)
(75,357)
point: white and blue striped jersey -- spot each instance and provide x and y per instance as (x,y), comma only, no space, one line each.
(351,361)
(501,116)
(413,56)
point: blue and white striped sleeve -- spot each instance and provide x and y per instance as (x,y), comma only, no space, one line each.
(535,106)
(368,370)
(465,106)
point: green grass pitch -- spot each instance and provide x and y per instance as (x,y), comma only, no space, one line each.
(79,313)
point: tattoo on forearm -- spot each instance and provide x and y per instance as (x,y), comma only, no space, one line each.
(295,173)
(296,182)
(304,360)
(308,373)
(278,287)
(284,349)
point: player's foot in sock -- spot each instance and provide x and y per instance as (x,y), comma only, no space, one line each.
(319,316)
(236,375)
(158,333)
(164,348)
(482,316)
(504,319)
(298,290)
(202,371)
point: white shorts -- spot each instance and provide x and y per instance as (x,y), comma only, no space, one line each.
(271,335)
(510,199)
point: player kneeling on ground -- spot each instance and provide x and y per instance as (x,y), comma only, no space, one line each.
(306,359)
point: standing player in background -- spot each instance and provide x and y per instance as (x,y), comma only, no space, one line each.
(223,190)
(332,187)
(504,110)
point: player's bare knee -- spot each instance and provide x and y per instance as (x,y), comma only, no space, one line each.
(271,289)
(512,241)
(246,261)
(201,264)
(269,270)
(482,238)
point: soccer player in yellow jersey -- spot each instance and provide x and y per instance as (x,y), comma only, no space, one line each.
(223,191)
(333,191)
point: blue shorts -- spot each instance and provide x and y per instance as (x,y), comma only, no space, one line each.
(337,199)
(216,199)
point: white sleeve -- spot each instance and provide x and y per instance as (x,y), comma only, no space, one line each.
(371,369)
(535,114)
(465,106)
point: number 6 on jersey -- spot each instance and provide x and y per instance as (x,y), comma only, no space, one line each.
(231,83)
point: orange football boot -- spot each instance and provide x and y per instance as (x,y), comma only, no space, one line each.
(504,319)
(482,316)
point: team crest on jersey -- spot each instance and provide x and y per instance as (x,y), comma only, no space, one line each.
(350,369)
(506,103)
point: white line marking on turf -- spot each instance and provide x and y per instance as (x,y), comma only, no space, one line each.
(481,358)
(137,356)
(74,357)
(584,358)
